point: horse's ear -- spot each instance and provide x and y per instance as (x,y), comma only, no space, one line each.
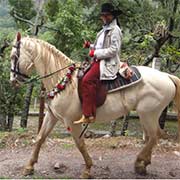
(18,36)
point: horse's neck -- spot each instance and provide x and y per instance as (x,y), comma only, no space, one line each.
(47,59)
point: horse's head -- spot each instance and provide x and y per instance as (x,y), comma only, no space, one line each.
(21,61)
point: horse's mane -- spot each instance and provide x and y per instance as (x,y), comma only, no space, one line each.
(49,47)
(52,58)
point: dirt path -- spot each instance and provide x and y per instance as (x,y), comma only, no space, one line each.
(112,157)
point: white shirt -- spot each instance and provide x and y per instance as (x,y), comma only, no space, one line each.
(100,40)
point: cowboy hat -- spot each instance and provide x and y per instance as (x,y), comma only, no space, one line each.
(109,8)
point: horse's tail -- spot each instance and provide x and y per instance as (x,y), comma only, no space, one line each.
(176,81)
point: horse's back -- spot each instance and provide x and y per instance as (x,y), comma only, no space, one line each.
(155,77)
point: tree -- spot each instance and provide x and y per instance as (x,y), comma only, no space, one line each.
(67,23)
(10,102)
(23,13)
(23,8)
(34,29)
(73,26)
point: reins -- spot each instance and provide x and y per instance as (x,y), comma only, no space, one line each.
(36,78)
(23,77)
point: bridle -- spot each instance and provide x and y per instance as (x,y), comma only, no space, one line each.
(17,74)
(23,78)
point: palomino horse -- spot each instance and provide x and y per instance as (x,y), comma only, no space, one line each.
(149,97)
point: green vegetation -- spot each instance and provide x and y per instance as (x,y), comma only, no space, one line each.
(26,137)
(67,23)
(68,146)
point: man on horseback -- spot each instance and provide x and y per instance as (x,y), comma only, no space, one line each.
(106,61)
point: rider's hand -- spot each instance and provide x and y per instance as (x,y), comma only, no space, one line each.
(123,65)
(128,73)
(91,53)
(86,44)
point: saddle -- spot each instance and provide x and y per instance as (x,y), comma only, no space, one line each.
(108,86)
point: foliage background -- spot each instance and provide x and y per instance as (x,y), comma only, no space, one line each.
(67,23)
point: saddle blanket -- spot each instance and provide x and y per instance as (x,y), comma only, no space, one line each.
(112,85)
(122,83)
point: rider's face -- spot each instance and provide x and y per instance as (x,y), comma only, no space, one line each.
(107,18)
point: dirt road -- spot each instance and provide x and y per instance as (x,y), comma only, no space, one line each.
(112,157)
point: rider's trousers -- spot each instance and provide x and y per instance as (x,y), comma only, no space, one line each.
(90,83)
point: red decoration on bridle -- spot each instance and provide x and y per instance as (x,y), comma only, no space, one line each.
(62,84)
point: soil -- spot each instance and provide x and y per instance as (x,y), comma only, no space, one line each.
(112,158)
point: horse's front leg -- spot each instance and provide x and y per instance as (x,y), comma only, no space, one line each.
(47,126)
(76,131)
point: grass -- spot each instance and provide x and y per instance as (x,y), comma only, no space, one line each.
(134,127)
(68,146)
(25,136)
(21,130)
(171,126)
(100,126)
(3,135)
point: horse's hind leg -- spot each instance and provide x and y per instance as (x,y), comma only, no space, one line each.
(76,131)
(47,126)
(150,124)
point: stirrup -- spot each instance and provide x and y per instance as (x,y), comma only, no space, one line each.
(85,120)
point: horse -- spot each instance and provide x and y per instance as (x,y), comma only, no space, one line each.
(149,97)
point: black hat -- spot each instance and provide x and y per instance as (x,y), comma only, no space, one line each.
(109,8)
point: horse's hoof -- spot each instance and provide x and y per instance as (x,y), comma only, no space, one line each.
(28,171)
(140,168)
(85,175)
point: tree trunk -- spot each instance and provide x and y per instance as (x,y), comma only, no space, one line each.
(10,120)
(27,102)
(113,128)
(10,115)
(42,93)
(156,64)
(125,125)
(25,112)
(171,26)
(2,122)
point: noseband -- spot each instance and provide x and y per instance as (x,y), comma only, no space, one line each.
(17,74)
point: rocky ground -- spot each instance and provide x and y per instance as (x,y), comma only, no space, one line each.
(112,157)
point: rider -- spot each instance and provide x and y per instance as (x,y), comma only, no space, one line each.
(105,54)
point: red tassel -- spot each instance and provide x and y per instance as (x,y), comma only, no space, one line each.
(71,68)
(60,86)
(69,129)
(69,76)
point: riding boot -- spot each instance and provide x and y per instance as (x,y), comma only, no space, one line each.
(84,119)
